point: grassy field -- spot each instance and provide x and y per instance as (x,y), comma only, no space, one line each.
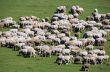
(10,62)
(43,8)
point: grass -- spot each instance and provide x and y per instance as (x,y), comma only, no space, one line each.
(43,8)
(4,29)
(10,62)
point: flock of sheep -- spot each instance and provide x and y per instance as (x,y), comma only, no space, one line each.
(60,37)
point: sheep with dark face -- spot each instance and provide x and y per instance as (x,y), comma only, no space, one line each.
(76,10)
(61,9)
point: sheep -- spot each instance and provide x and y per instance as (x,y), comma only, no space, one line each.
(10,42)
(70,16)
(101,52)
(27,52)
(88,34)
(61,59)
(104,33)
(34,18)
(22,19)
(21,34)
(78,27)
(46,52)
(83,53)
(86,67)
(15,26)
(55,37)
(89,18)
(100,41)
(84,42)
(78,59)
(28,32)
(77,9)
(1,25)
(65,39)
(108,15)
(23,52)
(93,59)
(66,51)
(76,15)
(74,50)
(3,41)
(106,58)
(7,22)
(69,43)
(61,9)
(106,22)
(61,35)
(78,43)
(100,59)
(96,51)
(74,20)
(89,47)
(26,24)
(108,33)
(6,34)
(80,10)
(19,46)
(98,24)
(46,24)
(54,19)
(77,34)
(0,34)
(69,59)
(56,51)
(14,30)
(38,31)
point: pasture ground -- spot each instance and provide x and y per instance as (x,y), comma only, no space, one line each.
(10,62)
